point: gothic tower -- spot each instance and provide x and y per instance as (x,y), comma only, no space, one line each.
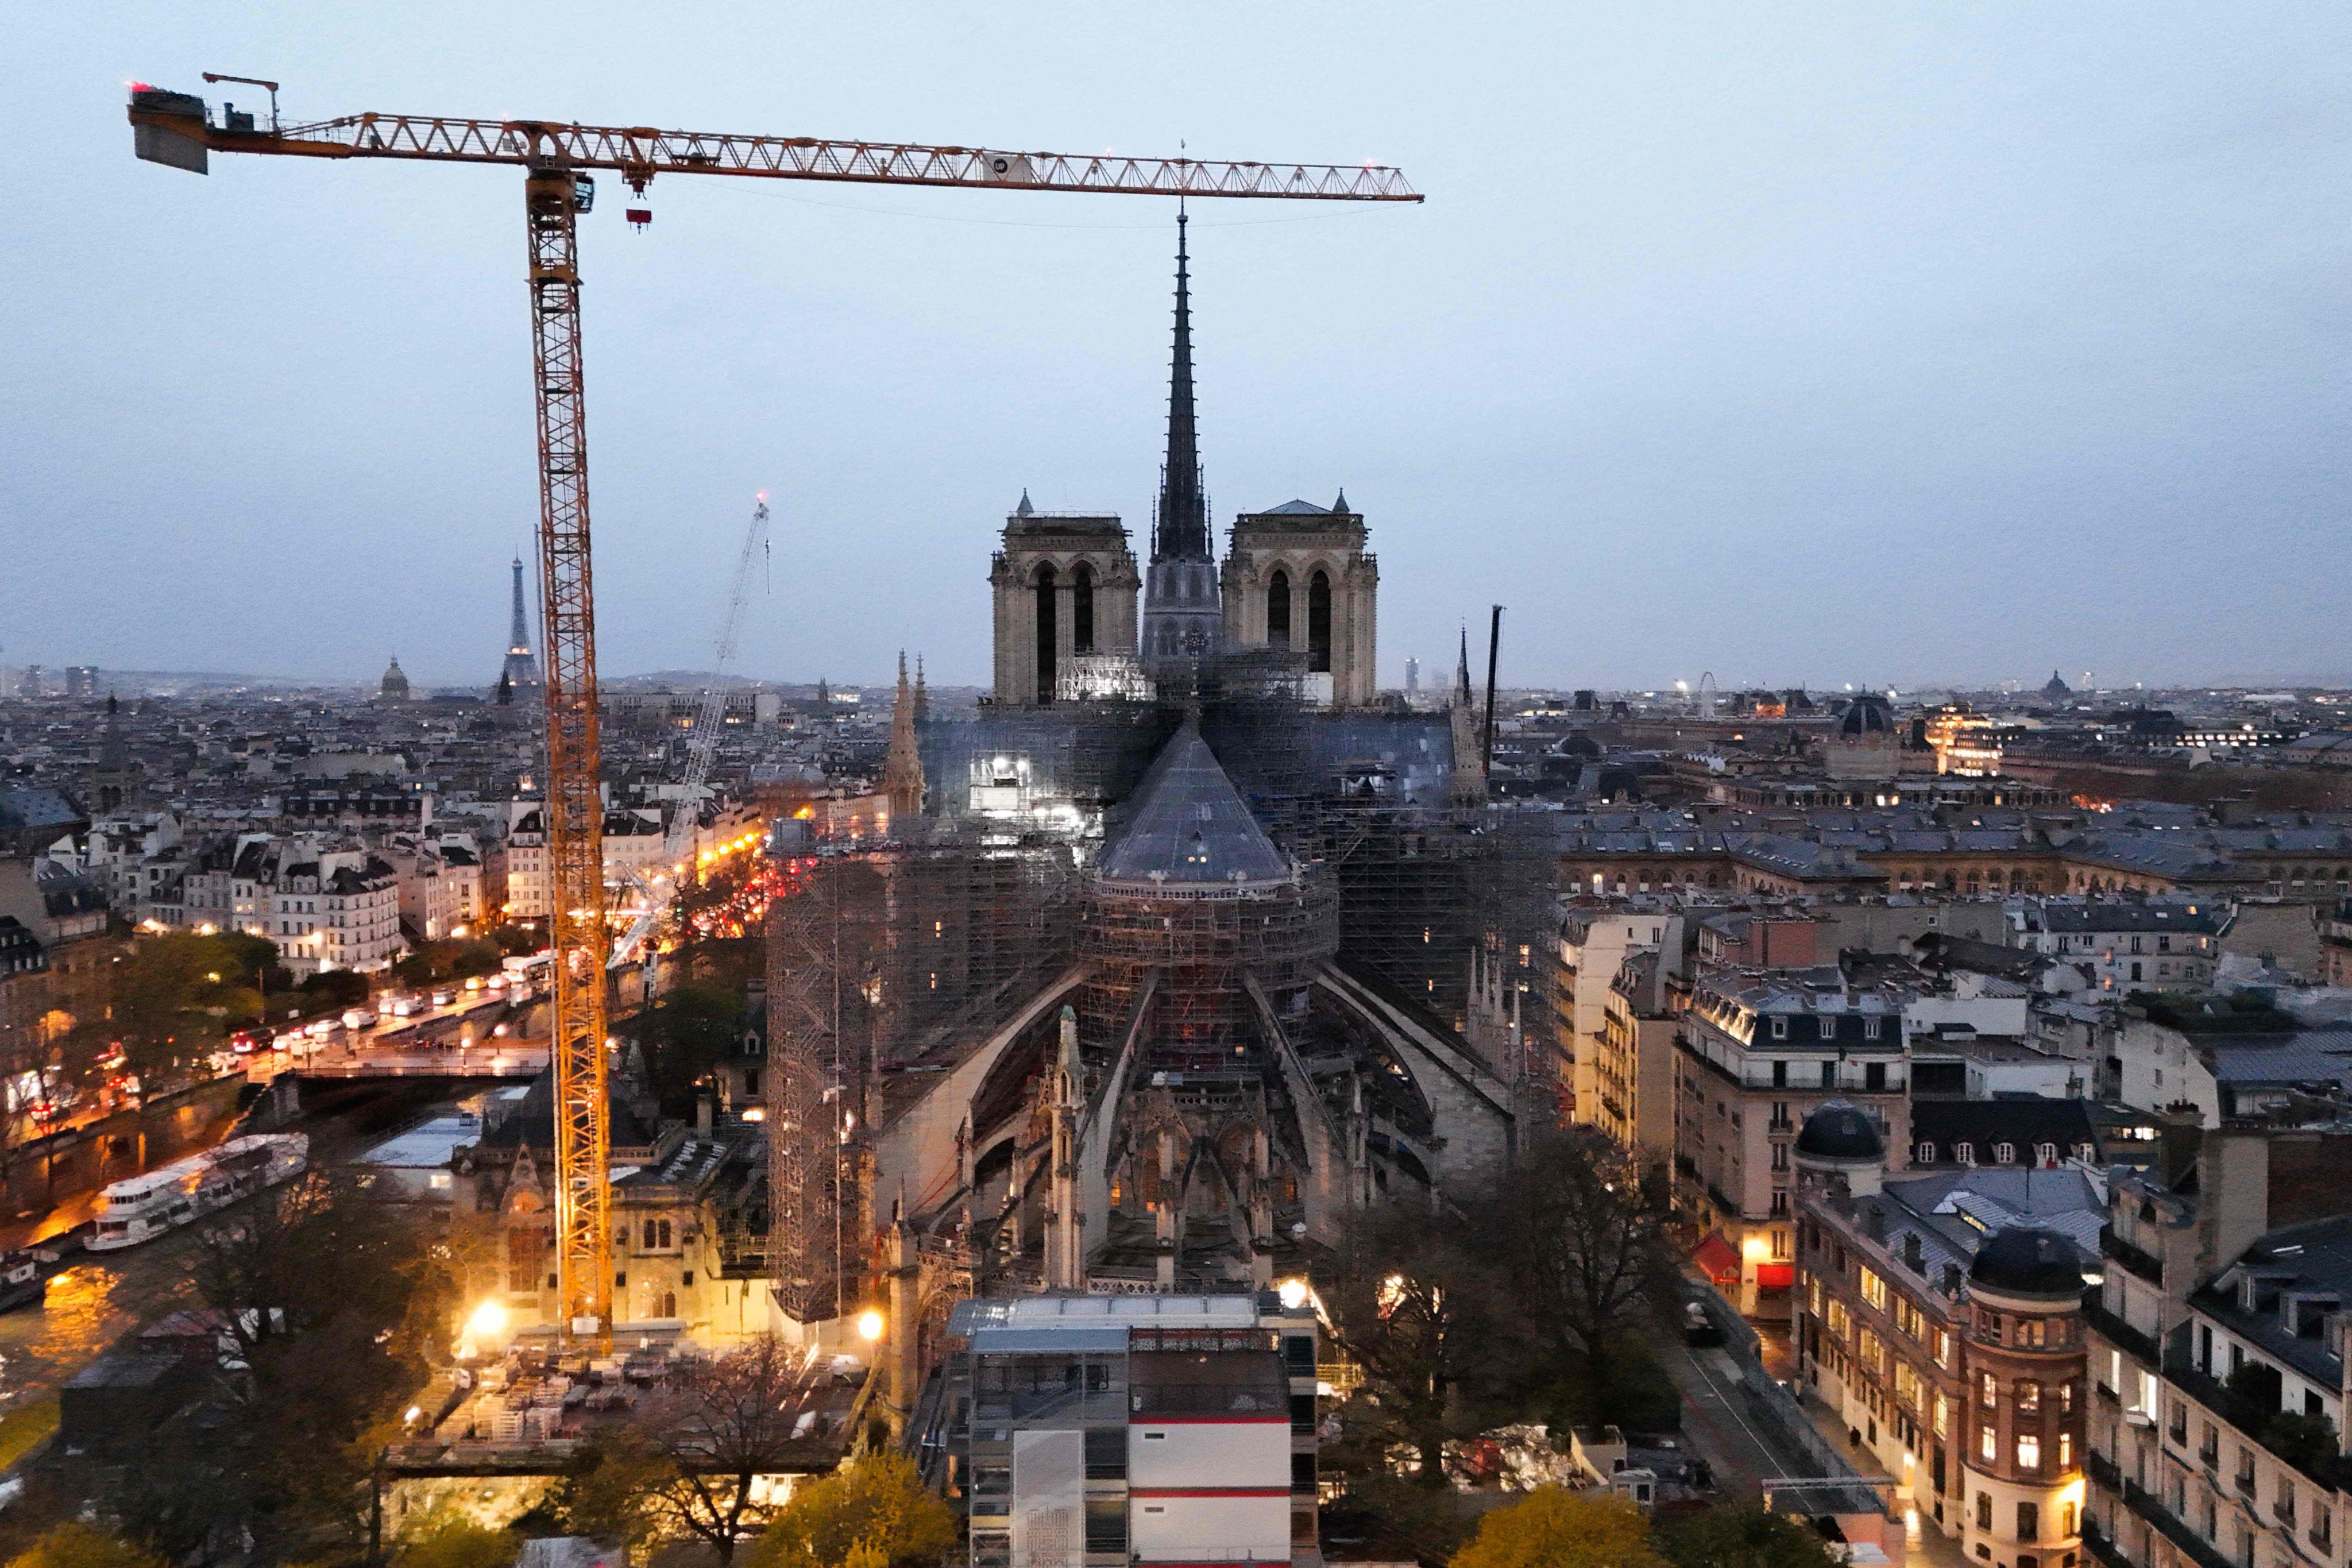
(114,782)
(1183,619)
(1064,587)
(902,774)
(1298,578)
(521,674)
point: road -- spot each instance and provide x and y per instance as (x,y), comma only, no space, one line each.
(477,1035)
(1715,1419)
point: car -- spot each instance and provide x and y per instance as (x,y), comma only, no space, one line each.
(355,1019)
(444,998)
(1698,1328)
(241,1044)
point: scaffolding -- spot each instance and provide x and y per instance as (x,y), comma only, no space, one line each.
(1197,948)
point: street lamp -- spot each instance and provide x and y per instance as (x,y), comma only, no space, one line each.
(869,1325)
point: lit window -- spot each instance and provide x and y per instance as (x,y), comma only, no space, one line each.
(1988,1443)
(2029,1452)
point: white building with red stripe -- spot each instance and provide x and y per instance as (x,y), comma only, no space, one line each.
(1094,1431)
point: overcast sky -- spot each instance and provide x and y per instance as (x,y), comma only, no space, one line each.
(1872,341)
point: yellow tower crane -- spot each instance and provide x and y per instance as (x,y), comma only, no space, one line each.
(180,130)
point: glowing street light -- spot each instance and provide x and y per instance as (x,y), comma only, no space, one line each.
(487,1323)
(869,1325)
(1293,1294)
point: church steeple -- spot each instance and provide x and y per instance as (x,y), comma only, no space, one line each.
(1180,532)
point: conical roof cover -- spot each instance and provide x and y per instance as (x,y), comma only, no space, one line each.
(1191,825)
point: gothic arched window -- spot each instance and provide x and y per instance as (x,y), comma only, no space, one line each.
(1045,585)
(1318,622)
(1082,609)
(1278,609)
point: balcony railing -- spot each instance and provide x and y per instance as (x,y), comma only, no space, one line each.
(2195,1547)
(2120,1334)
(2143,1264)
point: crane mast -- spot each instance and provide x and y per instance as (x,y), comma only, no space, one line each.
(701,749)
(178,130)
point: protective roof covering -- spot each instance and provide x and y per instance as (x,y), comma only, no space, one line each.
(1191,825)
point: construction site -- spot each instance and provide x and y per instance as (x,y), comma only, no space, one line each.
(1184,945)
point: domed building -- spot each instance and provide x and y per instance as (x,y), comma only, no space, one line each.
(394,688)
(1939,1317)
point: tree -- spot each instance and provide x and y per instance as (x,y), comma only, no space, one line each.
(609,1494)
(326,1306)
(1552,1527)
(874,1512)
(1741,1536)
(77,1546)
(1581,1236)
(720,1421)
(1410,1307)
(683,1035)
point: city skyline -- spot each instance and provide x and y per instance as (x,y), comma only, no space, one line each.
(1782,352)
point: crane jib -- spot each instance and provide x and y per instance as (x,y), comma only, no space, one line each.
(641,153)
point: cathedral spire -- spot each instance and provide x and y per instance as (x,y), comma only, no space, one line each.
(1181,532)
(902,774)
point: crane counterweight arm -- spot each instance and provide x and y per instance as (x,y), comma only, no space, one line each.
(638,154)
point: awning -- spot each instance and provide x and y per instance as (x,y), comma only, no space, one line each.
(1716,1257)
(1775,1275)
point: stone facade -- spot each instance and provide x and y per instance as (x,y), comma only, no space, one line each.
(1297,577)
(1062,585)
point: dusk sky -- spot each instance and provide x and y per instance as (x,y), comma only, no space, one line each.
(1878,342)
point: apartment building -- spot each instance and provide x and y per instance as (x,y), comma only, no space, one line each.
(1758,1051)
(1594,940)
(2217,1349)
(2127,944)
(1939,1316)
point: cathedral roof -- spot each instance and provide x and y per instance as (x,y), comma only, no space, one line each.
(1296,509)
(1190,825)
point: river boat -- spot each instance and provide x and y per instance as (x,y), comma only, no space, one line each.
(140,1209)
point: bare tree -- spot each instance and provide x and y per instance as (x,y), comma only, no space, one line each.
(1581,1236)
(1409,1305)
(719,1422)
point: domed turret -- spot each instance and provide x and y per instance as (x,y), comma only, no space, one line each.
(1838,1130)
(1839,1143)
(2029,1260)
(394,687)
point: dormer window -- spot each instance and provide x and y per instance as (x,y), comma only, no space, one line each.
(1828,1028)
(2004,1154)
(1965,1153)
(1780,1029)
(1927,1153)
(2046,1153)
(1870,1028)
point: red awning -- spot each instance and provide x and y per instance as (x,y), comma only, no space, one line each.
(1716,1257)
(1775,1275)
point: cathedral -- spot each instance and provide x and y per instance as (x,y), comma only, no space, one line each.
(1186,943)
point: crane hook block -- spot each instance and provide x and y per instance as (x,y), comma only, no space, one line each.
(640,216)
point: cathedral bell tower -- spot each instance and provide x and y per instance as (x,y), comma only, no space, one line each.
(1064,587)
